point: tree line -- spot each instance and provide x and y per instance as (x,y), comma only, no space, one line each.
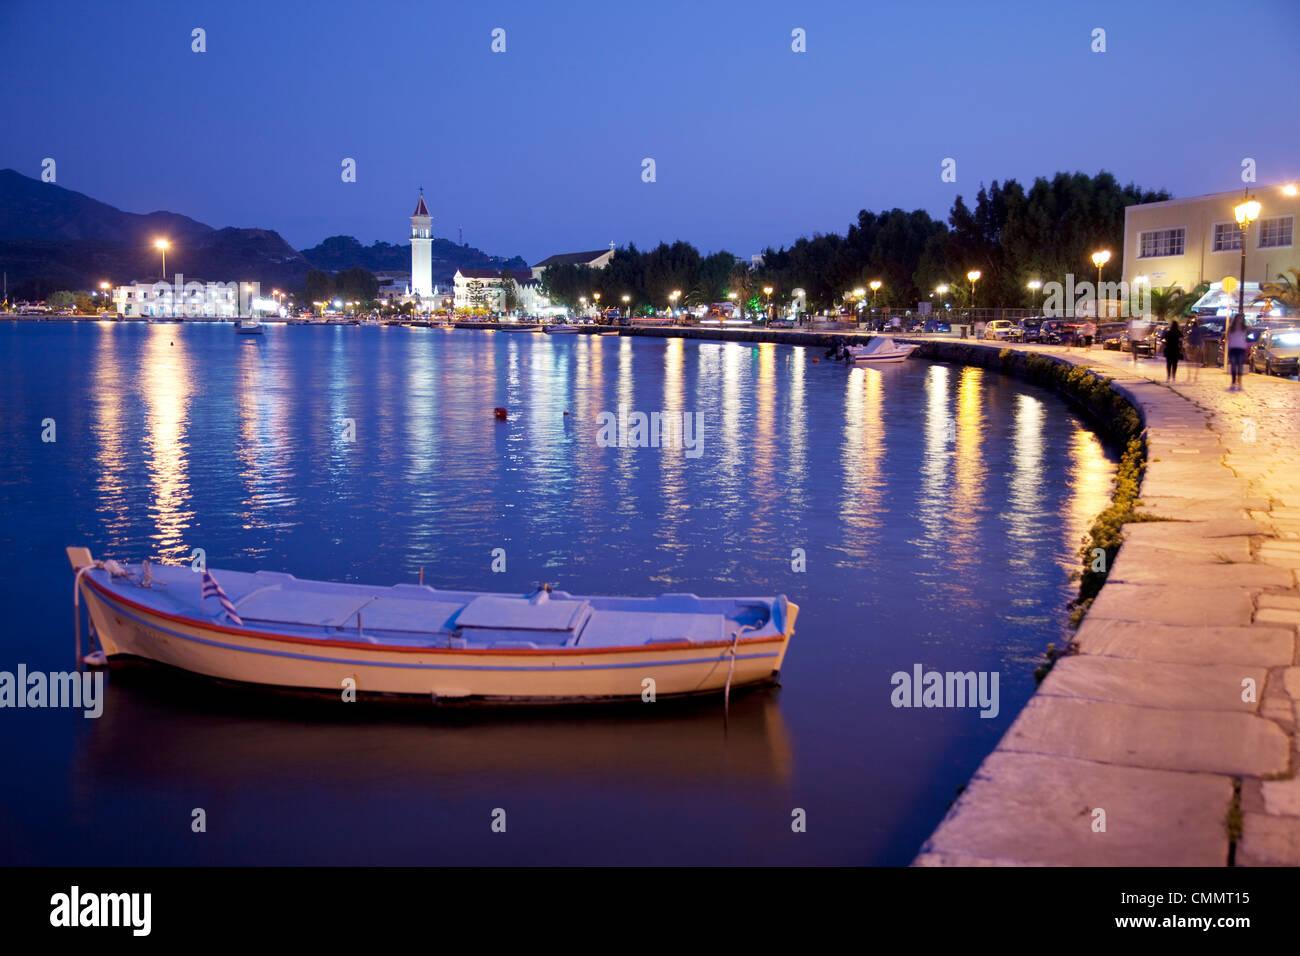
(1011,235)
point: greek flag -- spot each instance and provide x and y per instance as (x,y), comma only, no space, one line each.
(212,589)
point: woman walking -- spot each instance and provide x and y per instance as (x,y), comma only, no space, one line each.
(1236,348)
(1173,351)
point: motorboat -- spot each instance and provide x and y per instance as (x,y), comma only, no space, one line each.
(562,328)
(249,326)
(880,350)
(271,629)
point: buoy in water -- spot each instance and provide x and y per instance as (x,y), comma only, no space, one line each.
(816,360)
(500,413)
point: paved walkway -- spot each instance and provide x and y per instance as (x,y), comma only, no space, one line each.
(1153,721)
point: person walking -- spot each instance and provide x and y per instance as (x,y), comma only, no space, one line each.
(1194,347)
(1173,351)
(1137,331)
(1236,349)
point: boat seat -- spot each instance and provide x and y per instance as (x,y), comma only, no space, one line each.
(621,628)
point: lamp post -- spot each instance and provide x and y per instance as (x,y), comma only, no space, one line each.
(874,285)
(732,297)
(1246,213)
(626,308)
(595,298)
(162,245)
(1035,284)
(672,302)
(973,276)
(1099,259)
(767,291)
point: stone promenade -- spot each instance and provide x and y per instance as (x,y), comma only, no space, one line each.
(1177,718)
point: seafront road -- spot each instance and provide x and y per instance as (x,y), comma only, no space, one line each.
(1177,717)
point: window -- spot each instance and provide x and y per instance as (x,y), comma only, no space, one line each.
(1161,242)
(1276,232)
(1227,237)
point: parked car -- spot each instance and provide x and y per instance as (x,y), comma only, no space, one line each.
(1055,332)
(998,330)
(936,325)
(1027,330)
(1277,351)
(1111,335)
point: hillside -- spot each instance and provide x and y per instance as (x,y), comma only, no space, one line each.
(55,238)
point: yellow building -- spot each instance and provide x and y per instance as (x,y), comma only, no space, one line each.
(1186,242)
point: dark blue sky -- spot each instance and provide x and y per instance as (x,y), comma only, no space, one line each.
(539,149)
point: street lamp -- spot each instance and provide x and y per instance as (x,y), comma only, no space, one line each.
(1035,284)
(672,301)
(1099,259)
(973,276)
(162,245)
(626,308)
(767,291)
(1246,213)
(874,285)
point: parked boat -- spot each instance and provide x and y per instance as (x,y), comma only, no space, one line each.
(248,326)
(561,328)
(515,327)
(272,629)
(880,350)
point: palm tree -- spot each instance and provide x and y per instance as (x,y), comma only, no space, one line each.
(1286,290)
(1171,302)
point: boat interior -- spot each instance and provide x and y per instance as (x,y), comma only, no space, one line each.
(416,615)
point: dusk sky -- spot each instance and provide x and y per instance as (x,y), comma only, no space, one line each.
(539,149)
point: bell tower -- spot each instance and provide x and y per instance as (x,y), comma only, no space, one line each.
(422,250)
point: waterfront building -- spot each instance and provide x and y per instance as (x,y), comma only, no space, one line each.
(1185,242)
(597,259)
(484,289)
(191,299)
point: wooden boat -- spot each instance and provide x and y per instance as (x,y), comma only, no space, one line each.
(880,350)
(409,639)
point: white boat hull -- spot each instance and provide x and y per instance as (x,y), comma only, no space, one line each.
(127,628)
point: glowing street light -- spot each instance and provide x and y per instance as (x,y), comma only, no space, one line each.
(1035,284)
(973,276)
(874,285)
(1099,259)
(1290,189)
(162,245)
(1246,213)
(626,307)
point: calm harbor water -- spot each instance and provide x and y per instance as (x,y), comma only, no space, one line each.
(939,509)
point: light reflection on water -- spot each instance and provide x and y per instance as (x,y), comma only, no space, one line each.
(939,509)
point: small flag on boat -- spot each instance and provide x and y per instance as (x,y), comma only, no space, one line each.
(212,589)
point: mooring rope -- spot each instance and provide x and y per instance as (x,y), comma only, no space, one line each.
(731,666)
